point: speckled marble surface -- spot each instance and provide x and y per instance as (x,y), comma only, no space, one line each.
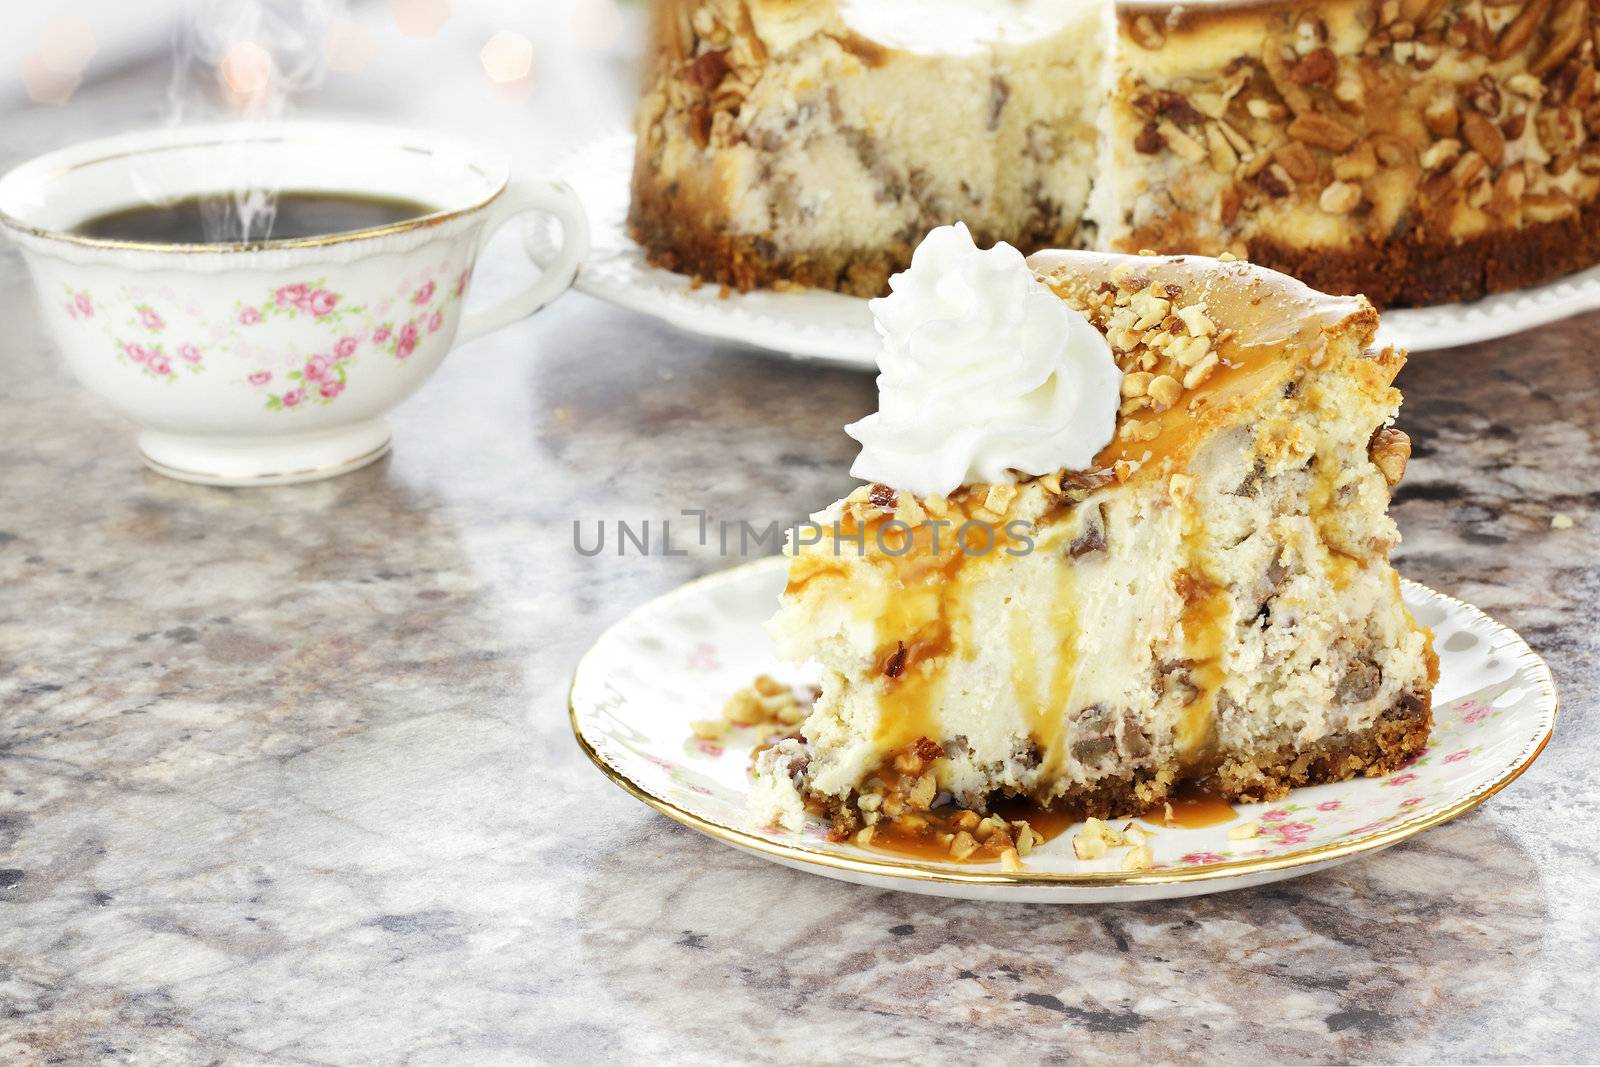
(285,775)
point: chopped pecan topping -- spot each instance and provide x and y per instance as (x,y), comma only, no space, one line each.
(1441,117)
(1315,68)
(1389,450)
(1298,161)
(1339,198)
(1092,538)
(1177,107)
(1146,34)
(1484,136)
(1322,131)
(896,665)
(708,70)
(1149,140)
(1272,184)
(1515,37)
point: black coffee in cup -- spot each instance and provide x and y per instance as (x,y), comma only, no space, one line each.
(216,219)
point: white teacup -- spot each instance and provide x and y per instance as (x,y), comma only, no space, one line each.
(273,361)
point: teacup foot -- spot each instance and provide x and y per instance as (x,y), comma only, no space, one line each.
(245,461)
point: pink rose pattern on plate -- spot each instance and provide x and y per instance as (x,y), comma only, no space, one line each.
(324,373)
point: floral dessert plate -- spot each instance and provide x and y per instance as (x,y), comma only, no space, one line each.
(679,657)
(832,328)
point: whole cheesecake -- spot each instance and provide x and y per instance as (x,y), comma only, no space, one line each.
(1415,151)
(1202,596)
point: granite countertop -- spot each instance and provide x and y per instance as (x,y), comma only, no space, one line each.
(285,774)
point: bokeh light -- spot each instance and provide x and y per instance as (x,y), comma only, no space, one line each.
(420,18)
(348,46)
(597,24)
(53,71)
(67,43)
(46,85)
(246,69)
(507,57)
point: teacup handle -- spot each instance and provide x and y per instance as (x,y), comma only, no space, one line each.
(520,197)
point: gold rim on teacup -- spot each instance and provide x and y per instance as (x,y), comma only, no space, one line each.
(10,221)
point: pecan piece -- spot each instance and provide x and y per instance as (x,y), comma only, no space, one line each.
(1272,183)
(1441,154)
(1485,137)
(1182,143)
(1559,130)
(1441,117)
(1548,207)
(1567,37)
(1315,68)
(1421,13)
(1508,190)
(1389,449)
(896,664)
(1484,94)
(1146,34)
(700,125)
(1360,162)
(1298,161)
(1177,107)
(1228,204)
(1149,141)
(1515,37)
(1292,92)
(1223,156)
(707,71)
(1322,131)
(1339,198)
(1092,538)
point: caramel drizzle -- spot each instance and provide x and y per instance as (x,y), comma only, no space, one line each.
(1204,621)
(1046,713)
(1340,565)
(1245,372)
(1050,718)
(923,626)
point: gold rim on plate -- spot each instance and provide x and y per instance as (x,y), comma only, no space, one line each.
(1525,659)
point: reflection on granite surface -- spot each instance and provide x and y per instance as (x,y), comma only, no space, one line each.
(285,775)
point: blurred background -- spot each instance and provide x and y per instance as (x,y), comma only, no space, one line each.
(535,78)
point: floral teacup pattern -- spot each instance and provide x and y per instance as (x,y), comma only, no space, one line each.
(677,658)
(163,337)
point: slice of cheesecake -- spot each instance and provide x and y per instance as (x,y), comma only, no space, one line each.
(1209,600)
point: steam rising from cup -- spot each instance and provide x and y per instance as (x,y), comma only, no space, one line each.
(246,61)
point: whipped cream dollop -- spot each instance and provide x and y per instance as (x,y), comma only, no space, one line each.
(984,372)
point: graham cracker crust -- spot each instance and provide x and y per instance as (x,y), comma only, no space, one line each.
(1414,270)
(1399,735)
(682,232)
